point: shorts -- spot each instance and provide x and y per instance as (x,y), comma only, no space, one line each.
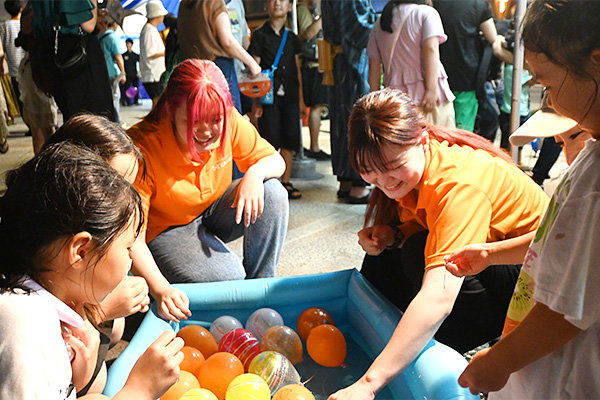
(465,110)
(280,124)
(314,91)
(154,89)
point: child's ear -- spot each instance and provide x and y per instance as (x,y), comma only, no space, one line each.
(79,247)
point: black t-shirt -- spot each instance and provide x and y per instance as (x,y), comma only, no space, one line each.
(130,59)
(461,53)
(264,44)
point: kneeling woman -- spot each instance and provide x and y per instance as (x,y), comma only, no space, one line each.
(438,189)
(189,141)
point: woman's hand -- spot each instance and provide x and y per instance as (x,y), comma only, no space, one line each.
(257,109)
(128,298)
(84,343)
(360,390)
(483,375)
(250,197)
(470,260)
(375,239)
(430,100)
(156,370)
(172,304)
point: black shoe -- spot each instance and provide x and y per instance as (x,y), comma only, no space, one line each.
(319,155)
(359,200)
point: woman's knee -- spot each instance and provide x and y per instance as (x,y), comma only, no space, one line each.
(276,198)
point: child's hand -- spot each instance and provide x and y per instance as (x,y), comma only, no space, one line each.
(129,297)
(470,260)
(172,304)
(250,198)
(375,239)
(483,375)
(84,343)
(157,369)
(257,109)
(430,100)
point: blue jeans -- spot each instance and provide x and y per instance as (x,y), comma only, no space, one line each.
(196,252)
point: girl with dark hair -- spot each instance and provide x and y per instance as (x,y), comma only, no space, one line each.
(189,141)
(68,222)
(550,345)
(437,190)
(405,43)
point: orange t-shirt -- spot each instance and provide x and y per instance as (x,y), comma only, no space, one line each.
(468,196)
(176,190)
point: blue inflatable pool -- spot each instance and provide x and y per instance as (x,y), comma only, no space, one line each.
(362,314)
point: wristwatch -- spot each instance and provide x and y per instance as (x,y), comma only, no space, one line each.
(398,238)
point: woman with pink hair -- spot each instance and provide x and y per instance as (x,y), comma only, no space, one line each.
(192,208)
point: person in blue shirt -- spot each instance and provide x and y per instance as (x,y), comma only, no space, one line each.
(111,47)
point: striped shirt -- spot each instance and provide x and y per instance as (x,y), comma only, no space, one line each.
(9,30)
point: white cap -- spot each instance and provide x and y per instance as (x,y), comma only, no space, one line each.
(155,9)
(544,123)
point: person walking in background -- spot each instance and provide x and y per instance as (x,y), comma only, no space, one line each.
(9,31)
(111,47)
(132,75)
(310,29)
(461,54)
(205,32)
(405,42)
(152,50)
(346,27)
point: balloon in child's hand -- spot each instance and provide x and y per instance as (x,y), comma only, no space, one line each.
(242,344)
(310,318)
(248,387)
(198,394)
(192,359)
(284,340)
(200,338)
(217,372)
(262,319)
(293,392)
(223,325)
(326,345)
(275,369)
(186,382)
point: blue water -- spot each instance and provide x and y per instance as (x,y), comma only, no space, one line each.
(323,381)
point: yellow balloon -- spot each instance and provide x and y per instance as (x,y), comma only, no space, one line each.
(248,387)
(198,394)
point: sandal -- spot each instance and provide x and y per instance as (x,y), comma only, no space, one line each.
(4,146)
(293,193)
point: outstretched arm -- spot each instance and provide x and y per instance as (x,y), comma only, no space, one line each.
(419,323)
(173,304)
(474,258)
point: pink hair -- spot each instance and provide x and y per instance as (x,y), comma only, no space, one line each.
(203,87)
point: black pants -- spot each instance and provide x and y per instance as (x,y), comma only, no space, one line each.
(480,308)
(548,155)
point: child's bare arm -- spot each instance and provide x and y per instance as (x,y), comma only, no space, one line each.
(300,92)
(173,304)
(541,332)
(474,258)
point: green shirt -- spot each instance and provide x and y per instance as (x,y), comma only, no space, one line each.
(72,14)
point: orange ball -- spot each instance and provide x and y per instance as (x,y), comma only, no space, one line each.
(192,359)
(200,338)
(293,392)
(187,381)
(326,345)
(310,318)
(217,372)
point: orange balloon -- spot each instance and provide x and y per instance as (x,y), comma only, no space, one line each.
(326,345)
(200,338)
(293,392)
(310,318)
(217,372)
(284,340)
(192,359)
(187,381)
